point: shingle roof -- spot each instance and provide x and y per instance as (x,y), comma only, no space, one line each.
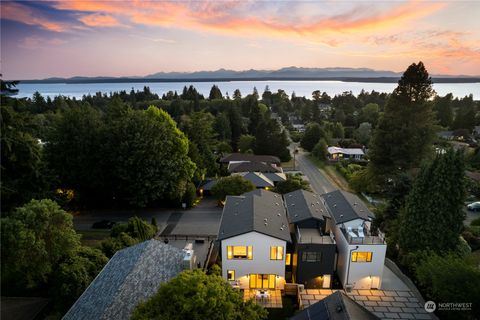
(302,205)
(276,177)
(252,167)
(345,206)
(131,276)
(259,210)
(257,178)
(250,158)
(337,306)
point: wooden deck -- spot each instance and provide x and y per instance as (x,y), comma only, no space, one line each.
(273,301)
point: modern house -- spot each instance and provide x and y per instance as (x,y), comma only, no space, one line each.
(131,276)
(253,236)
(304,239)
(314,247)
(337,306)
(337,153)
(361,254)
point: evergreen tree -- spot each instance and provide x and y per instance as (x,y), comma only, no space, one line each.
(433,217)
(444,110)
(269,139)
(215,93)
(405,132)
(237,94)
(313,133)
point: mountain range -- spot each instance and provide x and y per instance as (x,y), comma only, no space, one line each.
(289,73)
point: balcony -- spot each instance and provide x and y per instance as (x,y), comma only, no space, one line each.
(362,236)
(313,236)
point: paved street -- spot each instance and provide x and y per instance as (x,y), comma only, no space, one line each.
(318,181)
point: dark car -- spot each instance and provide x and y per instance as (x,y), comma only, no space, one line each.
(104,224)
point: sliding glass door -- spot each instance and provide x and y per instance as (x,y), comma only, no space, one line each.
(262,281)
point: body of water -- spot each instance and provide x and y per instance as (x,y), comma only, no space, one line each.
(301,88)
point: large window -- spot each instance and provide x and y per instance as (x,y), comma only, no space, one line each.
(262,281)
(288,259)
(231,275)
(239,252)
(361,257)
(276,253)
(308,256)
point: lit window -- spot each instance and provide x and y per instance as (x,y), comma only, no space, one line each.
(231,275)
(276,253)
(239,252)
(308,256)
(287,259)
(361,257)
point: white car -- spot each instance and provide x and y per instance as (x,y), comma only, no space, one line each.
(475,206)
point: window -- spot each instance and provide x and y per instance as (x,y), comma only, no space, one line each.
(231,275)
(262,281)
(288,258)
(361,257)
(276,253)
(239,252)
(308,256)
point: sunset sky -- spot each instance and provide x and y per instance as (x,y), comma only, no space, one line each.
(119,38)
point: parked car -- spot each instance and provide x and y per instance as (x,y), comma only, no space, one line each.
(104,224)
(475,206)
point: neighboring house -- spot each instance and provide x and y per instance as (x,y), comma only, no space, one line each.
(314,248)
(253,167)
(300,127)
(361,255)
(247,157)
(258,179)
(131,276)
(337,153)
(337,306)
(253,237)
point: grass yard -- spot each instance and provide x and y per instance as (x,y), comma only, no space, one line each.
(93,238)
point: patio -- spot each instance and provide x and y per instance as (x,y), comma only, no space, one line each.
(274,299)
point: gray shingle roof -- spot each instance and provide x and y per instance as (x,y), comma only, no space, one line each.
(252,167)
(345,206)
(246,213)
(337,306)
(131,276)
(257,178)
(249,157)
(303,205)
(276,177)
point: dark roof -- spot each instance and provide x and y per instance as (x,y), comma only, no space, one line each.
(345,206)
(131,276)
(303,205)
(337,306)
(247,213)
(276,177)
(252,167)
(257,178)
(22,308)
(248,157)
(208,185)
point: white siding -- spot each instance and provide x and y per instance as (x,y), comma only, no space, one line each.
(361,274)
(260,264)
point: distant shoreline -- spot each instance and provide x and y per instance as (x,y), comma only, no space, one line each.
(232,79)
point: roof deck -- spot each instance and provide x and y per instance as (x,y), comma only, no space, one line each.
(363,236)
(305,236)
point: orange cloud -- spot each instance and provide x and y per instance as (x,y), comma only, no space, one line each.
(98,20)
(24,14)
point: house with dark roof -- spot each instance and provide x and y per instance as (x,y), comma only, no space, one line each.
(131,276)
(337,306)
(361,252)
(253,236)
(248,157)
(314,247)
(253,167)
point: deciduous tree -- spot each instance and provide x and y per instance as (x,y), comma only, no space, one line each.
(231,186)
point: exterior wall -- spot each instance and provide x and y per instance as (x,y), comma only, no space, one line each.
(362,275)
(307,272)
(260,263)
